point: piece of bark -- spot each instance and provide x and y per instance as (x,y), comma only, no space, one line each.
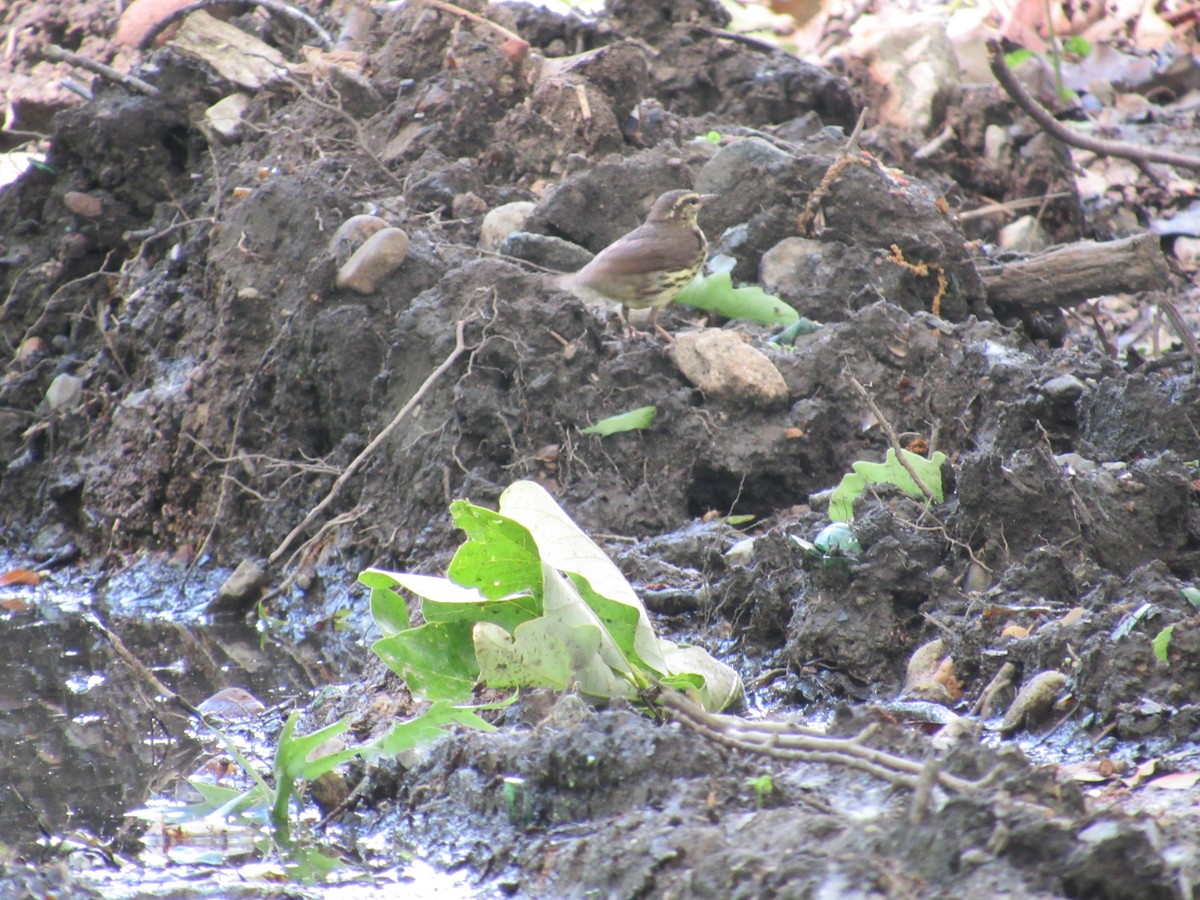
(1068,275)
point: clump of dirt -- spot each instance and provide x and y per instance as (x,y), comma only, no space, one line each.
(184,373)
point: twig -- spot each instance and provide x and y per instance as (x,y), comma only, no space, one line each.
(806,746)
(1171,311)
(848,157)
(1138,154)
(991,209)
(359,461)
(893,439)
(1000,681)
(476,18)
(274,6)
(936,144)
(140,669)
(58,54)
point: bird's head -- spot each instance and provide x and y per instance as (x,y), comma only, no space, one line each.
(678,206)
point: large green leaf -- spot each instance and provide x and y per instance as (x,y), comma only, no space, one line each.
(388,608)
(437,661)
(444,601)
(500,557)
(564,546)
(531,600)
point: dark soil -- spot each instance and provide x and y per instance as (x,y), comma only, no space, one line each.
(218,361)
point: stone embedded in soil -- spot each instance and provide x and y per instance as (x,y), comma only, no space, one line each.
(352,234)
(240,590)
(374,261)
(502,221)
(784,264)
(545,250)
(726,368)
(85,205)
(225,116)
(65,392)
(1034,701)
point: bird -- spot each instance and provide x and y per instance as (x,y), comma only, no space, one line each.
(649,266)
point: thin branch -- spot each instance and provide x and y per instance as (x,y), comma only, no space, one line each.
(1138,154)
(359,461)
(806,746)
(893,439)
(476,18)
(58,54)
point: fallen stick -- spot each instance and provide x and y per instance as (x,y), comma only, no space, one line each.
(1068,275)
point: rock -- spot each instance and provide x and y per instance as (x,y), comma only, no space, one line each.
(783,265)
(1066,388)
(353,233)
(726,368)
(1025,235)
(910,55)
(240,591)
(65,392)
(225,117)
(734,162)
(1034,701)
(543,250)
(467,205)
(378,258)
(83,204)
(502,221)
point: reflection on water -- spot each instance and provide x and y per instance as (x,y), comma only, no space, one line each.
(82,738)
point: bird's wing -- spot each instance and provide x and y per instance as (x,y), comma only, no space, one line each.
(612,270)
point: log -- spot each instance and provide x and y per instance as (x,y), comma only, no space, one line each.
(1070,274)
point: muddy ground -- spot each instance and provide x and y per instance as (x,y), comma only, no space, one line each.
(218,382)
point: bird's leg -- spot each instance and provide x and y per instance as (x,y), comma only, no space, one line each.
(654,324)
(630,331)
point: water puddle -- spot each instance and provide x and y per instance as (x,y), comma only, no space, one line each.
(84,738)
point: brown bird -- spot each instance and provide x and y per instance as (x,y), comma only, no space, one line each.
(647,268)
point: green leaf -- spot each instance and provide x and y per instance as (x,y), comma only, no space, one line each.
(388,609)
(890,471)
(545,653)
(717,293)
(500,557)
(443,601)
(294,758)
(1161,642)
(1077,46)
(1192,596)
(436,661)
(565,547)
(634,420)
(429,726)
(1014,59)
(531,600)
(295,761)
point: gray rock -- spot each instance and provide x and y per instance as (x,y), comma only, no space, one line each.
(65,392)
(726,368)
(502,221)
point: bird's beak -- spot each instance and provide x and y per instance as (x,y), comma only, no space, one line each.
(708,198)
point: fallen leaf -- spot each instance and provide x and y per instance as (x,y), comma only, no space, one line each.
(20,576)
